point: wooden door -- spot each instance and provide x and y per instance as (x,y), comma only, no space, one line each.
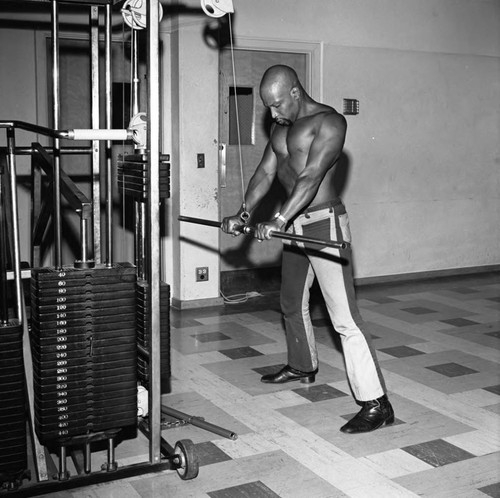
(244,252)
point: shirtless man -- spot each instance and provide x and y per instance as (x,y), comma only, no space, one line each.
(306,141)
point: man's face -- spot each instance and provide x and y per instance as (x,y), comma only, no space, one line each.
(281,104)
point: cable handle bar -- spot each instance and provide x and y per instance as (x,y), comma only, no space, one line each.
(248,230)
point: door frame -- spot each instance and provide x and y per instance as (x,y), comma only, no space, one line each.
(312,50)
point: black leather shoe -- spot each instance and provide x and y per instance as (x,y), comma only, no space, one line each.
(374,414)
(288,374)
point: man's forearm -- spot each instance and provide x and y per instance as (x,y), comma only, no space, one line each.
(303,193)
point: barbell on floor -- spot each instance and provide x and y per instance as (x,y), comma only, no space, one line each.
(248,230)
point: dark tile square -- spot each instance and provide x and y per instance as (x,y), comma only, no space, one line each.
(459,322)
(438,452)
(321,392)
(209,453)
(451,369)
(418,310)
(401,351)
(180,322)
(211,337)
(238,353)
(493,389)
(382,299)
(494,334)
(254,489)
(463,290)
(271,369)
(492,490)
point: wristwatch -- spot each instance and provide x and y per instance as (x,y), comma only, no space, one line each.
(279,216)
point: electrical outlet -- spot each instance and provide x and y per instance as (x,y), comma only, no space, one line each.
(200,160)
(202,274)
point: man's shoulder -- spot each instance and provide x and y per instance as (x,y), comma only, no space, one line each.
(327,117)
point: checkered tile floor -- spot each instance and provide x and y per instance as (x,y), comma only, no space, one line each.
(439,348)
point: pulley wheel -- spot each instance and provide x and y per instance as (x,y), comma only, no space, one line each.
(187,459)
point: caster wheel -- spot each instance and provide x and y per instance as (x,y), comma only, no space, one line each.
(187,459)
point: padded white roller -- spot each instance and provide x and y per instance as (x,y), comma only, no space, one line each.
(84,134)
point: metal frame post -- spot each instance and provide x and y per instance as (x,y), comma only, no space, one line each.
(96,190)
(56,122)
(153,228)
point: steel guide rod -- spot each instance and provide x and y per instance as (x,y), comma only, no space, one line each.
(56,118)
(248,230)
(109,184)
(153,227)
(11,169)
(95,79)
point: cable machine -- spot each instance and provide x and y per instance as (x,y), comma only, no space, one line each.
(70,356)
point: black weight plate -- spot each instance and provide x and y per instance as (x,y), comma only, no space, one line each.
(16,434)
(106,288)
(119,270)
(105,330)
(81,366)
(10,376)
(84,340)
(13,387)
(13,460)
(13,445)
(40,299)
(49,384)
(87,304)
(71,313)
(12,425)
(118,407)
(57,422)
(97,386)
(88,398)
(11,397)
(83,375)
(18,412)
(97,363)
(60,431)
(88,347)
(76,381)
(16,343)
(108,392)
(5,355)
(124,320)
(12,363)
(98,354)
(12,432)
(82,416)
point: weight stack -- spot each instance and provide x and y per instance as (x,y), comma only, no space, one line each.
(84,350)
(134,176)
(13,419)
(143,333)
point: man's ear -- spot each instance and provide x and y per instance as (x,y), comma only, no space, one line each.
(295,92)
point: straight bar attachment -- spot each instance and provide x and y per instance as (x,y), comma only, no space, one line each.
(246,229)
(198,422)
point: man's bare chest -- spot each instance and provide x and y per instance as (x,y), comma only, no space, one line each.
(292,143)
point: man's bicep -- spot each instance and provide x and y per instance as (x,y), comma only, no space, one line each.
(269,162)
